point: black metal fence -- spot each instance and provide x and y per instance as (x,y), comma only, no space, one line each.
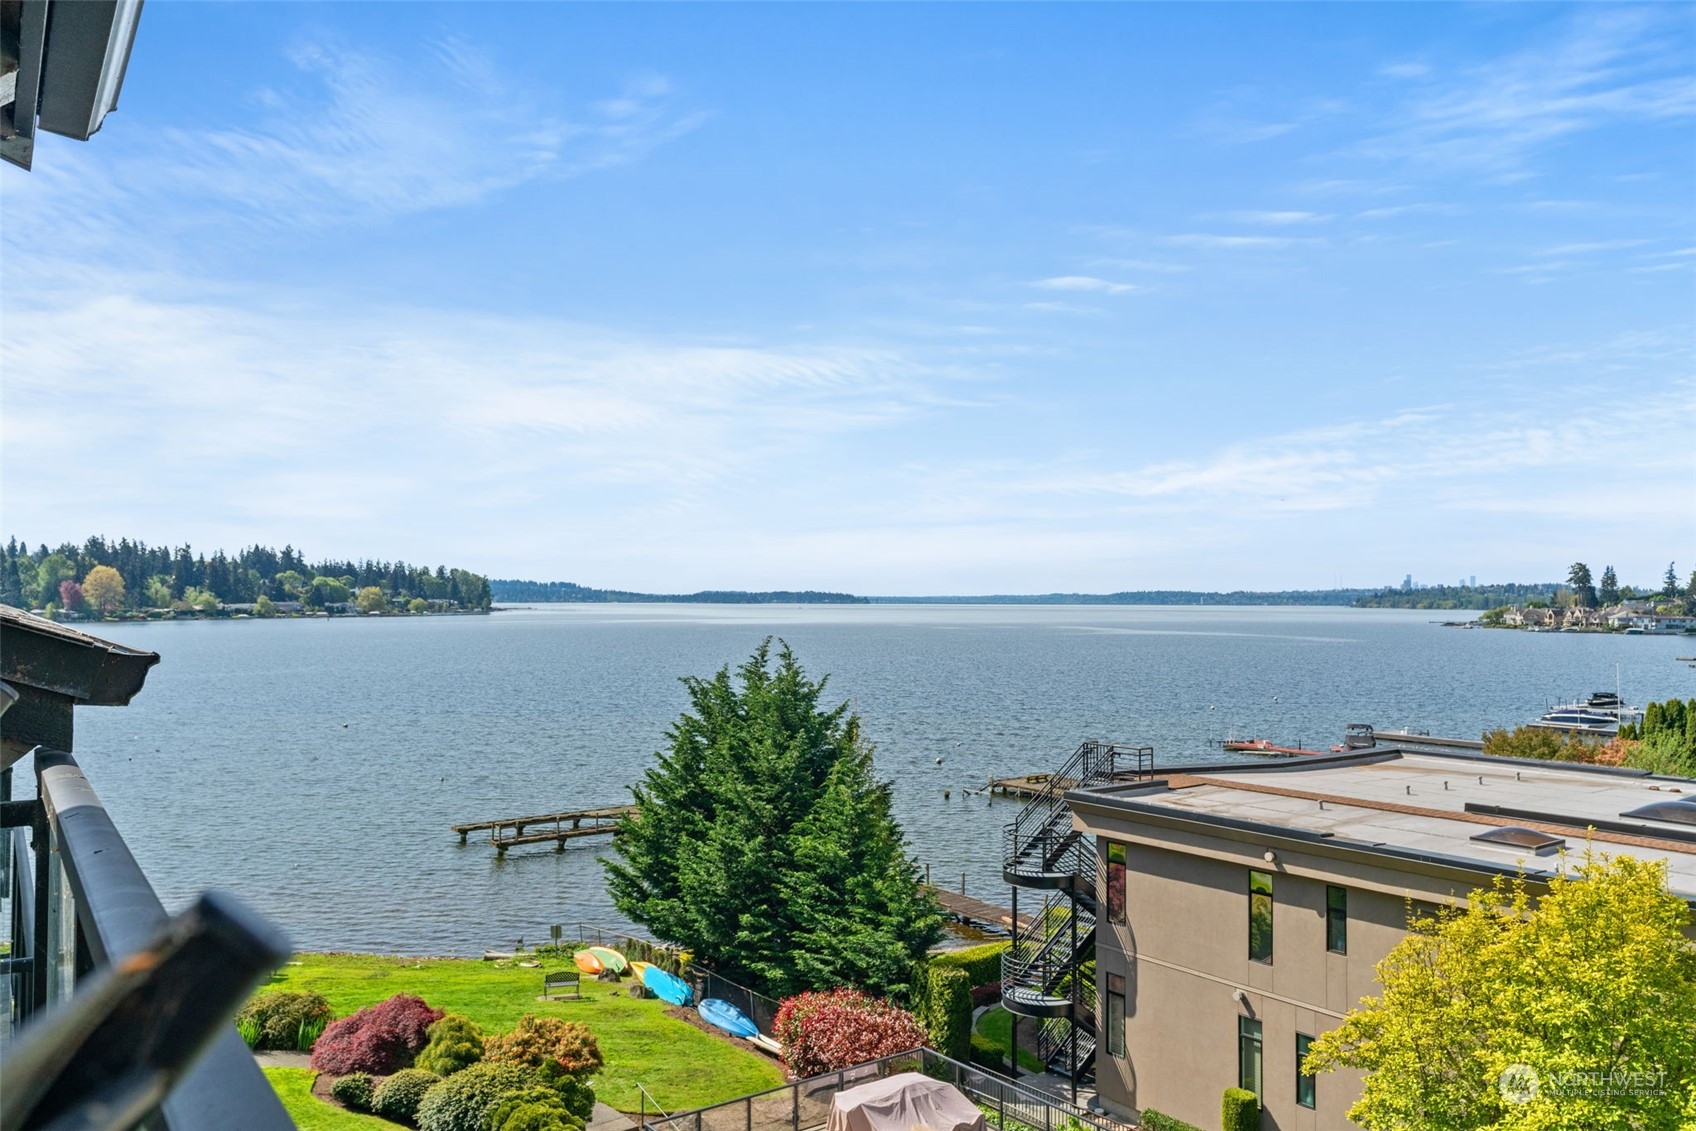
(805,1104)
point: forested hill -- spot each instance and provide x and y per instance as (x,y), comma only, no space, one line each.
(533,592)
(516,592)
(159,577)
(1148,597)
(1461,596)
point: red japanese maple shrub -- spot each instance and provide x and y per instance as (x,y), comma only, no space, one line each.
(826,1032)
(379,1039)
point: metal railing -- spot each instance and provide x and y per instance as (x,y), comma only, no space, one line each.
(805,1104)
(121,993)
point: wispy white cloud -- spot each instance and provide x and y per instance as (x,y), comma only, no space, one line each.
(1408,70)
(1607,64)
(1592,247)
(1084,283)
(1209,241)
(1275,219)
(356,137)
(1152,265)
(1417,208)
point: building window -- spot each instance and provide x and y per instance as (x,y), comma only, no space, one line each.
(1304,1082)
(1116,1014)
(1248,1056)
(1115,882)
(1260,916)
(1336,919)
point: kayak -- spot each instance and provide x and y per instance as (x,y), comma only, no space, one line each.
(727,1017)
(636,968)
(587,962)
(666,987)
(610,959)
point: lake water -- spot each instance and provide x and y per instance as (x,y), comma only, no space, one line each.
(314,766)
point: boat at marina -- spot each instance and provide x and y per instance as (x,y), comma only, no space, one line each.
(1601,714)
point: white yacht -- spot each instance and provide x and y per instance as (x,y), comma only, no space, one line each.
(1601,714)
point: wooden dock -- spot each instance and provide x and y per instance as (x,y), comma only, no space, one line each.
(1025,785)
(555,827)
(975,912)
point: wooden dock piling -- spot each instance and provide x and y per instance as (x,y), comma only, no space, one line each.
(564,826)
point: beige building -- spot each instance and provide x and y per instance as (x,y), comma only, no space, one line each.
(1241,909)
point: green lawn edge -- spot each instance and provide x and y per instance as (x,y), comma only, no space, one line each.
(294,1087)
(681,1066)
(996,1025)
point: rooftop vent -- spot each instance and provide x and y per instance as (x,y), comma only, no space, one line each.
(1680,812)
(1518,836)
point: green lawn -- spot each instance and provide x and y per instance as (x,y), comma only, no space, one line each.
(997,1025)
(294,1087)
(681,1066)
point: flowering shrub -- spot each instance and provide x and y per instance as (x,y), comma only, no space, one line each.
(398,1097)
(379,1039)
(564,1047)
(826,1032)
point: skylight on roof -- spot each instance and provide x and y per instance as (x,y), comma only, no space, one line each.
(1518,836)
(1681,811)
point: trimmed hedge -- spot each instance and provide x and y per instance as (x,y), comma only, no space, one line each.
(398,1097)
(1157,1121)
(944,994)
(1239,1110)
(354,1090)
(982,964)
(946,1010)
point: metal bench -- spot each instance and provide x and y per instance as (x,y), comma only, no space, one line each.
(565,984)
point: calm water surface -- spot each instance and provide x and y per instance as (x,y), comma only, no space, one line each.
(314,767)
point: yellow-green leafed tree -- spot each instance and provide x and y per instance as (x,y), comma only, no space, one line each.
(371,600)
(1575,1011)
(103,588)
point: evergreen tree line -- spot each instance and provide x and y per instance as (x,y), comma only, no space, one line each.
(1461,596)
(1587,594)
(160,576)
(517,591)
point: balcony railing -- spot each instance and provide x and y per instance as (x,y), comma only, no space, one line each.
(135,1004)
(113,1014)
(805,1104)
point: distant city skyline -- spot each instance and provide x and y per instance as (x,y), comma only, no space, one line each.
(875,299)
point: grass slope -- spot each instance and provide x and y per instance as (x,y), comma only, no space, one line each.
(294,1088)
(681,1066)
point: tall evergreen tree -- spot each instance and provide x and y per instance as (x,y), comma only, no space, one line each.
(763,842)
(1583,588)
(1610,586)
(1669,582)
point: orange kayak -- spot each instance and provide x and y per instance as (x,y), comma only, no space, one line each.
(587,962)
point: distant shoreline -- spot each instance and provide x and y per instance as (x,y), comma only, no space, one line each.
(1450,599)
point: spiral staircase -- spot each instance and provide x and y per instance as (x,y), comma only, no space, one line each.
(1042,970)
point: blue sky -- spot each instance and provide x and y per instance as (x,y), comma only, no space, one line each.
(879,298)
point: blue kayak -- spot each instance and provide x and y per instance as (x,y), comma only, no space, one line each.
(666,987)
(728,1018)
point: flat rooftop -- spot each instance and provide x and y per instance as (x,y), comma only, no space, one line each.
(1433,805)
